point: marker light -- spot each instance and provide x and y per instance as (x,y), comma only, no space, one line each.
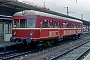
(31,33)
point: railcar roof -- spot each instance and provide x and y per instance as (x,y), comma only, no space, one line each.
(33,12)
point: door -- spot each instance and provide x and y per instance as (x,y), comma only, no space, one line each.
(7,32)
(1,32)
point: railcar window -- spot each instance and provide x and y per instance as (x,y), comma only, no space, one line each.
(22,23)
(64,25)
(40,23)
(16,23)
(46,23)
(51,24)
(77,25)
(55,24)
(60,23)
(72,25)
(31,23)
(80,25)
(69,25)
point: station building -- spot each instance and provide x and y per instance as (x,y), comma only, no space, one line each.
(5,24)
(6,13)
(8,8)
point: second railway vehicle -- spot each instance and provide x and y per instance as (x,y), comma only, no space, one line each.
(34,26)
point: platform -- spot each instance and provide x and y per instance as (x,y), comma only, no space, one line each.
(6,44)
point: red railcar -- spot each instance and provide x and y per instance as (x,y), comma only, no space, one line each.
(30,25)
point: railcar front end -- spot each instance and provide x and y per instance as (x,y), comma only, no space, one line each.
(23,29)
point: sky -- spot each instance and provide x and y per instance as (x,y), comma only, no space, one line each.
(76,9)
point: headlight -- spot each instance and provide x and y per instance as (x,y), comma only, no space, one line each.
(14,33)
(31,33)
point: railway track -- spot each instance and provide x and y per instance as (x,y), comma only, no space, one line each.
(9,54)
(12,54)
(75,53)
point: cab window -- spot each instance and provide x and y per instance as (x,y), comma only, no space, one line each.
(22,23)
(31,23)
(16,23)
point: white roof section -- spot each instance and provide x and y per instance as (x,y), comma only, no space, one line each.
(33,12)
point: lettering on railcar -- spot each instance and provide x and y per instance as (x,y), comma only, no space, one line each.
(53,33)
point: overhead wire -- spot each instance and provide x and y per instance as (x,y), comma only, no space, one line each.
(86,3)
(59,7)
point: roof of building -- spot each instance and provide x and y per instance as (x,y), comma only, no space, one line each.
(17,6)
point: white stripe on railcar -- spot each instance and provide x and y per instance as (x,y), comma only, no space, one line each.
(43,28)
